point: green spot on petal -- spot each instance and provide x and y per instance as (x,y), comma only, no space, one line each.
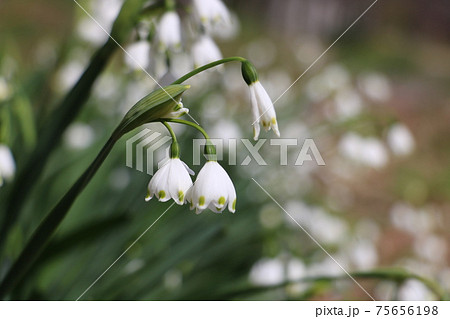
(234,205)
(162,194)
(201,200)
(222,201)
(274,121)
(181,196)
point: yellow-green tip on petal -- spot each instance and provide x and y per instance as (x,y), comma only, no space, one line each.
(148,197)
(181,196)
(162,194)
(222,201)
(201,200)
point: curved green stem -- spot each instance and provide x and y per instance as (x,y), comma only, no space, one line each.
(189,123)
(210,148)
(174,148)
(169,128)
(47,227)
(209,66)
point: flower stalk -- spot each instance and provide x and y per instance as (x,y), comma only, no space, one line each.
(209,66)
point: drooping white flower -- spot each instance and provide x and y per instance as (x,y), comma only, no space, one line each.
(212,189)
(172,180)
(400,140)
(263,110)
(205,51)
(138,56)
(210,12)
(169,31)
(7,164)
(368,151)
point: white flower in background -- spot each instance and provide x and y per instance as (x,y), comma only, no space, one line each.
(212,189)
(368,151)
(263,110)
(400,140)
(347,103)
(267,272)
(431,248)
(79,136)
(211,12)
(68,75)
(138,56)
(5,89)
(376,86)
(172,180)
(169,31)
(205,51)
(363,254)
(7,164)
(412,290)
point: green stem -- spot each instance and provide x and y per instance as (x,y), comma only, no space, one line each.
(210,148)
(174,148)
(208,66)
(189,123)
(169,128)
(47,227)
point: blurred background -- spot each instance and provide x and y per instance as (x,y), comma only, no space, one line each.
(376,105)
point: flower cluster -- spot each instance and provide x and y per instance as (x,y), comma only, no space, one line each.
(212,189)
(180,29)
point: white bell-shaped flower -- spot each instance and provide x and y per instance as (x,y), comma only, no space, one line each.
(172,180)
(7,164)
(210,12)
(212,189)
(205,51)
(263,110)
(169,31)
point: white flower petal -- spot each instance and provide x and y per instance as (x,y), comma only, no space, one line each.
(262,110)
(169,31)
(212,189)
(171,181)
(7,164)
(205,51)
(210,12)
